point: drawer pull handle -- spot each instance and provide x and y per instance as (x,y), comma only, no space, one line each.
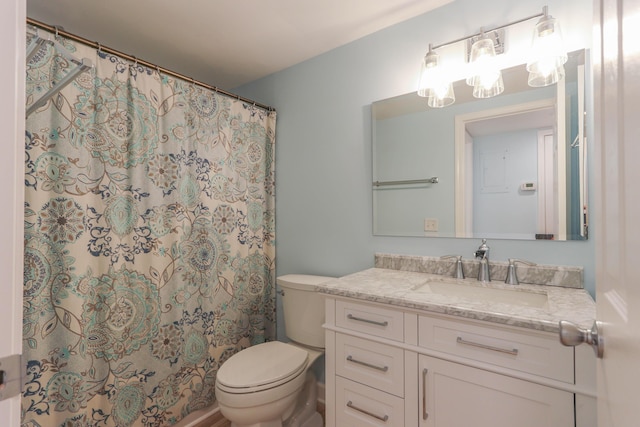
(355,408)
(425,414)
(513,352)
(368,365)
(360,319)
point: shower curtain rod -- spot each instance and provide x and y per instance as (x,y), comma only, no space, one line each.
(96,45)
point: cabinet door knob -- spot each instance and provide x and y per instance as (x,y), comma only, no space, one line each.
(572,335)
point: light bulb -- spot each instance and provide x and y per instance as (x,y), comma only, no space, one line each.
(487,78)
(548,55)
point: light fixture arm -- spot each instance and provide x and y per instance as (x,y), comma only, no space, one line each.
(538,15)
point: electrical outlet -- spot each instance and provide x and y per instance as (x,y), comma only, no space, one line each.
(430,224)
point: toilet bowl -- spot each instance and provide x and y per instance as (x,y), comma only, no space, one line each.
(269,384)
(260,387)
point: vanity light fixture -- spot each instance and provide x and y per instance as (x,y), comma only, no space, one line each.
(545,66)
(548,55)
(487,77)
(434,84)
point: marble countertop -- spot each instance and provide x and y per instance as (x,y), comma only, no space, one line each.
(410,289)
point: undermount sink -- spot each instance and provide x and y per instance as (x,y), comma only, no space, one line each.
(477,293)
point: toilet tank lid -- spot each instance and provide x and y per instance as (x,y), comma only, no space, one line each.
(301,281)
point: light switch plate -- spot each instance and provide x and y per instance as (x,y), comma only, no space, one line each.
(430,224)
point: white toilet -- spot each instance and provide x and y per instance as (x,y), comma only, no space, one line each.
(268,385)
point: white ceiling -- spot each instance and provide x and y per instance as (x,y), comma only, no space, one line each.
(225,43)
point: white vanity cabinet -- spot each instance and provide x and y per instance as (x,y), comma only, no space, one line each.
(393,366)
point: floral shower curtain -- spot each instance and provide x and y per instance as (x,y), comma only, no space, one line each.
(149,242)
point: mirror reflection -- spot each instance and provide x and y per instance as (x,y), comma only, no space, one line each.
(509,167)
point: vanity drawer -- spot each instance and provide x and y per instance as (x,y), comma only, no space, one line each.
(533,352)
(373,364)
(369,319)
(358,405)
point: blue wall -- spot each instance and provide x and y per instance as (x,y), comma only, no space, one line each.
(323,148)
(410,147)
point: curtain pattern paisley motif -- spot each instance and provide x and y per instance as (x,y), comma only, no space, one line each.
(149,242)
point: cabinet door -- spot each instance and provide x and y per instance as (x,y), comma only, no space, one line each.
(455,395)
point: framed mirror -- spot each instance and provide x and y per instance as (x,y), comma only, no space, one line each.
(511,167)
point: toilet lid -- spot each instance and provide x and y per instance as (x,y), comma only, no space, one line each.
(262,364)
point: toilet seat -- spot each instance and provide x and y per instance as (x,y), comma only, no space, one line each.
(261,367)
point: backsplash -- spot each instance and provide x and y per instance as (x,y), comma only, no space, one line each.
(550,275)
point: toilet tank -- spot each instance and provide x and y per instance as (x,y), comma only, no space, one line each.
(303,308)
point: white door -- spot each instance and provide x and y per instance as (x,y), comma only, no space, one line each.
(617,229)
(12,120)
(547,187)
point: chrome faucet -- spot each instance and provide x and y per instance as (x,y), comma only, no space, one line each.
(459,271)
(483,255)
(512,277)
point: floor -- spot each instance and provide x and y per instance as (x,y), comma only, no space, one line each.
(217,420)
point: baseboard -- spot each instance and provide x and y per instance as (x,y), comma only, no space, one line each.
(209,417)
